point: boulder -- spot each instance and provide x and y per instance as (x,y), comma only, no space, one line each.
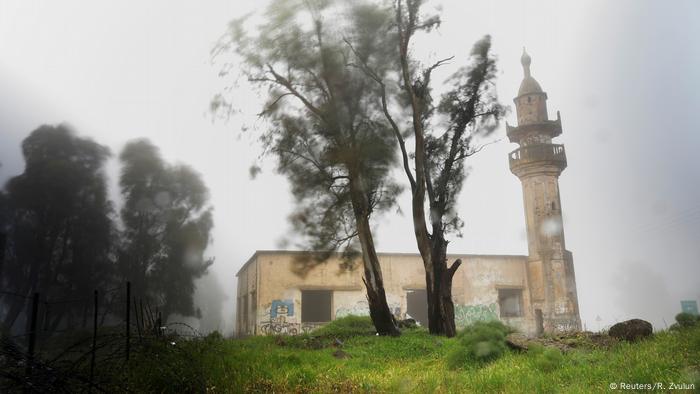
(518,341)
(631,330)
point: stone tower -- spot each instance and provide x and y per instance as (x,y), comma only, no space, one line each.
(538,163)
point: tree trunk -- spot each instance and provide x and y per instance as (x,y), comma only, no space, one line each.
(379,311)
(441,311)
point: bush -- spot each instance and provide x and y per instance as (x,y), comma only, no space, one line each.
(548,359)
(479,343)
(687,320)
(346,327)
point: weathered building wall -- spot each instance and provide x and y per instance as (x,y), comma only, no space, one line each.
(278,296)
(246,299)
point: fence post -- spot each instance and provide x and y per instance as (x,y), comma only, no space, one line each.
(158,323)
(138,322)
(94,343)
(128,318)
(32,334)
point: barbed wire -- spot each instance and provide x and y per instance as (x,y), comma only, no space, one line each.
(63,368)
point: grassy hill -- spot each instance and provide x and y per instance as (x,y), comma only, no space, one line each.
(345,357)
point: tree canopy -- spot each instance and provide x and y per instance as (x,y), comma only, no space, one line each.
(59,219)
(167,224)
(324,125)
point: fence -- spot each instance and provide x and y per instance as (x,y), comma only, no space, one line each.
(63,367)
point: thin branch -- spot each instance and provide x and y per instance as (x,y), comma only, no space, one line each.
(477,149)
(300,156)
(453,268)
(266,110)
(437,64)
(385,109)
(287,84)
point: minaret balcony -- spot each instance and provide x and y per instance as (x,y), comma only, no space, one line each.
(550,128)
(533,157)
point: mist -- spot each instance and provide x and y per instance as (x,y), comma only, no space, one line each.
(623,75)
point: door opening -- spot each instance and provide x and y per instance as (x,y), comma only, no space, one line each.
(417,306)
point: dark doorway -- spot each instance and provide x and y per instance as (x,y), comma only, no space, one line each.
(417,306)
(316,306)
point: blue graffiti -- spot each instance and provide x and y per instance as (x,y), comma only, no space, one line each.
(282,308)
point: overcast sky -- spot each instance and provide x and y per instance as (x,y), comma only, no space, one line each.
(624,74)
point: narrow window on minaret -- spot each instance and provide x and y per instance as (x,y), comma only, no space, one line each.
(554,206)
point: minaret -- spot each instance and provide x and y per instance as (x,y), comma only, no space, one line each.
(538,163)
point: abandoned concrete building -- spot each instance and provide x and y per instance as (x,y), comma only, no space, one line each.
(534,293)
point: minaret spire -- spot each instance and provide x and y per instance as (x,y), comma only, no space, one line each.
(525,60)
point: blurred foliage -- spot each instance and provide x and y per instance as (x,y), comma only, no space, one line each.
(63,240)
(58,219)
(346,327)
(480,342)
(324,125)
(685,320)
(167,227)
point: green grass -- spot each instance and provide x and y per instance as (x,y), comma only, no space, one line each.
(414,362)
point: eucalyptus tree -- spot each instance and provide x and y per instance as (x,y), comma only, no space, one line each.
(167,224)
(444,135)
(325,127)
(60,233)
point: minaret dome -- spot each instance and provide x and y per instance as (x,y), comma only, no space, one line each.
(529,85)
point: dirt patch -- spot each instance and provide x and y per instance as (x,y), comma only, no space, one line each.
(564,342)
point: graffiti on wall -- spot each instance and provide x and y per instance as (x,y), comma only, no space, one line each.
(282,308)
(280,319)
(361,308)
(563,326)
(468,314)
(287,328)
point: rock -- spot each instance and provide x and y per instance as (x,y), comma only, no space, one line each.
(339,354)
(407,323)
(518,341)
(631,330)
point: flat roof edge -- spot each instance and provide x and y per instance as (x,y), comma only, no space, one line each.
(454,255)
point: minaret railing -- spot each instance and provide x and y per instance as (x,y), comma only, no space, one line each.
(535,153)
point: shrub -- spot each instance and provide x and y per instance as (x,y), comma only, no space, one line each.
(346,327)
(548,359)
(687,320)
(479,343)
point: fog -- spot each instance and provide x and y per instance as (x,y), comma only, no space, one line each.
(624,75)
